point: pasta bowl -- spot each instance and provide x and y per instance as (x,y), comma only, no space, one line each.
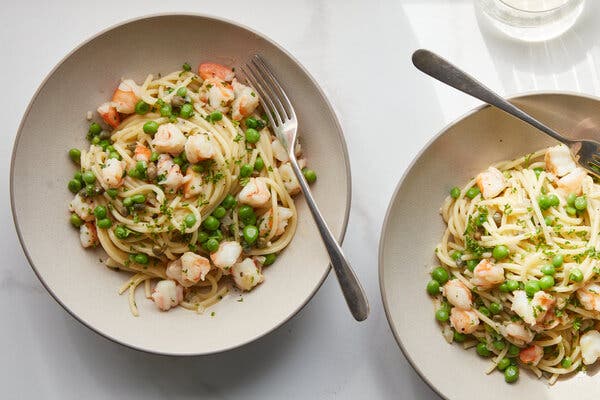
(413,227)
(56,121)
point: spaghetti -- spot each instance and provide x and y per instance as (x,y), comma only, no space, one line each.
(520,267)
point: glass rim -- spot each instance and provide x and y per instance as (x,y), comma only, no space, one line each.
(535,12)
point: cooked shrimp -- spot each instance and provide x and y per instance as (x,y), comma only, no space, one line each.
(464,321)
(517,334)
(266,224)
(112,173)
(532,311)
(172,177)
(167,294)
(491,183)
(531,355)
(571,183)
(109,114)
(289,179)
(169,139)
(245,102)
(559,160)
(279,152)
(589,296)
(255,193)
(590,346)
(246,274)
(212,70)
(199,147)
(126,96)
(88,235)
(217,93)
(193,183)
(227,255)
(486,274)
(458,294)
(83,207)
(142,153)
(189,269)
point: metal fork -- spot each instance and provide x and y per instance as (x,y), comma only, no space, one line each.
(586,152)
(285,124)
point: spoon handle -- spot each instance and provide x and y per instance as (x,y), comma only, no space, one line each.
(442,70)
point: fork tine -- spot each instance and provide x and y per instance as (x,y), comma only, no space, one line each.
(267,87)
(287,104)
(267,102)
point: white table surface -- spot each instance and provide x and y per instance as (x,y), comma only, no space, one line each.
(360,53)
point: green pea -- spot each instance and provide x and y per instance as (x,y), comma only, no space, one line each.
(150,127)
(211,223)
(500,252)
(100,212)
(138,198)
(482,350)
(186,67)
(89,177)
(110,148)
(503,288)
(166,110)
(538,171)
(571,199)
(548,269)
(566,362)
(554,200)
(141,107)
(543,202)
(202,236)
(456,255)
(104,223)
(433,287)
(442,315)
(511,374)
(187,110)
(74,185)
(472,192)
(246,213)
(269,259)
(141,167)
(252,135)
(513,351)
(576,275)
(95,140)
(90,190)
(215,116)
(128,202)
(182,91)
(580,203)
(309,175)
(557,260)
(190,220)
(532,287)
(246,170)
(459,337)
(104,144)
(251,122)
(250,234)
(549,221)
(571,210)
(495,308)
(485,311)
(75,155)
(75,220)
(114,154)
(471,264)
(94,129)
(440,274)
(503,364)
(121,232)
(141,258)
(259,164)
(455,192)
(211,245)
(229,202)
(499,344)
(219,212)
(78,176)
(154,156)
(546,282)
(512,285)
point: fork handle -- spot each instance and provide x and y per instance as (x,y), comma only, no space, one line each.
(353,292)
(442,70)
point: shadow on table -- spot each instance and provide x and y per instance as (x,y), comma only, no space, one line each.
(541,63)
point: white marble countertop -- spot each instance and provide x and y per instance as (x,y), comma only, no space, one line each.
(360,53)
